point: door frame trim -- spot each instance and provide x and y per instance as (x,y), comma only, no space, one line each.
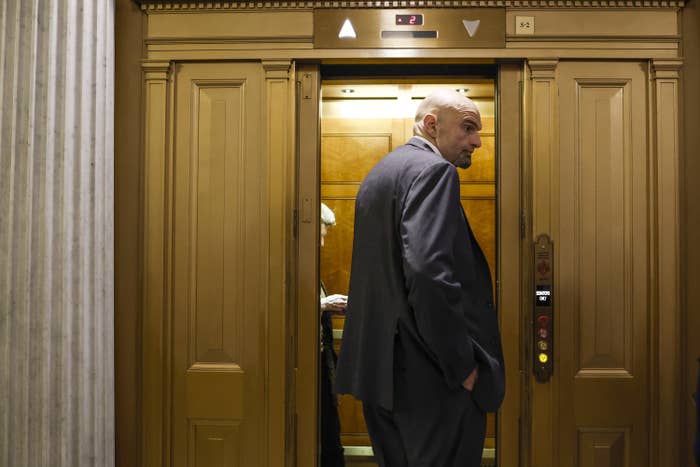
(308,199)
(508,230)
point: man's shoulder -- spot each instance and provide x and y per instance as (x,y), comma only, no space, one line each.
(412,157)
(401,166)
(418,147)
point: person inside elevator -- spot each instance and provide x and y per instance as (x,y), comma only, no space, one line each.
(331,448)
(421,344)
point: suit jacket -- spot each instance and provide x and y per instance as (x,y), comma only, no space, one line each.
(420,311)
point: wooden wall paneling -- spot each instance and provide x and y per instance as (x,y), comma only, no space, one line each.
(690,226)
(666,128)
(604,337)
(596,23)
(155,391)
(349,150)
(279,105)
(542,129)
(602,301)
(336,256)
(488,124)
(220,268)
(559,33)
(606,447)
(347,155)
(353,426)
(483,168)
(511,434)
(481,213)
(306,337)
(214,444)
(237,25)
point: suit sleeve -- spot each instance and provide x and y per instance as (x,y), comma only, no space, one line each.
(429,228)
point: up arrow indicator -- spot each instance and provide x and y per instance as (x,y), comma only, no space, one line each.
(471,26)
(347,31)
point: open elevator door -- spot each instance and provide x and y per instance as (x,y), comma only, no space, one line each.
(349,118)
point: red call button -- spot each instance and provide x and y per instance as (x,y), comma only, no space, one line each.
(543,321)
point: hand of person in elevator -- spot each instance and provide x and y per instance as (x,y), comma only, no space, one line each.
(336,303)
(469,383)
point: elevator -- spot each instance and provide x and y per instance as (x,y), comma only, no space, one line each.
(366,112)
(245,135)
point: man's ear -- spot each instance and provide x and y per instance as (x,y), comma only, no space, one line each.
(430,124)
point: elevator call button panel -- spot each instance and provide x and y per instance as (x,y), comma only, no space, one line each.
(543,306)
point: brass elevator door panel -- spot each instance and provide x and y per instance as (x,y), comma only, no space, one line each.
(602,268)
(218,268)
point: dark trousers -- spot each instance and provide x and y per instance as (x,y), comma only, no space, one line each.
(445,433)
(331,449)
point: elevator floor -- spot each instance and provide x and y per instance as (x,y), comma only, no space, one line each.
(362,456)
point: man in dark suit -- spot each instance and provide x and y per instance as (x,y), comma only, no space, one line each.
(421,346)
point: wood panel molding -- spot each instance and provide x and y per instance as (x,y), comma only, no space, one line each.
(156,234)
(277,69)
(666,69)
(543,68)
(543,139)
(512,438)
(220,269)
(605,341)
(541,163)
(167,5)
(155,70)
(603,446)
(304,340)
(666,165)
(278,147)
(603,263)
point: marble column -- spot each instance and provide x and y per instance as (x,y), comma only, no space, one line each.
(56,233)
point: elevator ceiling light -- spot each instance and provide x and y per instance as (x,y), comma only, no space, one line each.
(347,31)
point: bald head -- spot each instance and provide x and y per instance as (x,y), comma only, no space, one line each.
(441,101)
(451,121)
